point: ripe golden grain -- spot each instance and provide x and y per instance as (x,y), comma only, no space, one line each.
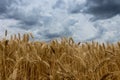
(22,59)
(19,36)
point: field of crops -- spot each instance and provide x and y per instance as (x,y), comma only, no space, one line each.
(24,59)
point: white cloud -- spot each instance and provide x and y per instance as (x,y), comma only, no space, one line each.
(48,19)
(110,29)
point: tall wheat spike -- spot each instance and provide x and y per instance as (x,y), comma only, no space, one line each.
(23,59)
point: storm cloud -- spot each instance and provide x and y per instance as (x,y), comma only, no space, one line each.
(49,19)
(102,9)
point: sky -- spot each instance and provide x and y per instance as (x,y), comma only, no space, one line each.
(83,20)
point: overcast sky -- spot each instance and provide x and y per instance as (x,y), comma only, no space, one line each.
(84,20)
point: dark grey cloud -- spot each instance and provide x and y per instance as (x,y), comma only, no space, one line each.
(53,35)
(48,19)
(48,35)
(59,4)
(75,7)
(72,6)
(102,9)
(4,4)
(12,9)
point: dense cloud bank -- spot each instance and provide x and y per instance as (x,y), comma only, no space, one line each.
(102,9)
(84,20)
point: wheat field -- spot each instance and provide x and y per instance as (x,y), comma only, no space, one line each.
(24,59)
